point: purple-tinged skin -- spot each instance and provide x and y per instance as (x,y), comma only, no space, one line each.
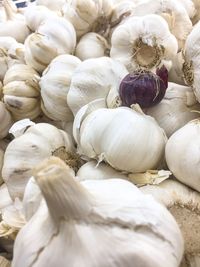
(144,88)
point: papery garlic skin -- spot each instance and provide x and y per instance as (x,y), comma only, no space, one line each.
(5,197)
(109,212)
(4,262)
(1,164)
(55,84)
(37,143)
(5,119)
(182,154)
(176,74)
(93,79)
(122,137)
(55,5)
(177,108)
(143,42)
(92,45)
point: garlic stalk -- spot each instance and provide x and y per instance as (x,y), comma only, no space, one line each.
(143,42)
(183,203)
(182,154)
(5,119)
(55,84)
(108,211)
(177,108)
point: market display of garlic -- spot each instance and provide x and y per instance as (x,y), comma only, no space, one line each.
(55,84)
(38,142)
(5,119)
(93,79)
(143,41)
(106,213)
(124,138)
(177,108)
(54,36)
(21,92)
(184,161)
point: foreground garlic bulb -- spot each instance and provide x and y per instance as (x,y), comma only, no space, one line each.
(176,109)
(22,92)
(104,213)
(182,154)
(37,143)
(55,36)
(183,203)
(93,79)
(5,119)
(124,138)
(55,84)
(143,42)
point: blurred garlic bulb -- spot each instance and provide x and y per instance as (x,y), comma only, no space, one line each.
(124,138)
(143,42)
(22,92)
(55,5)
(93,79)
(183,203)
(176,109)
(189,7)
(182,154)
(1,164)
(55,84)
(109,212)
(5,119)
(55,36)
(92,45)
(1,89)
(37,143)
(88,16)
(4,262)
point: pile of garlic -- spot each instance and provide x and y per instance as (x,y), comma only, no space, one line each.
(97,99)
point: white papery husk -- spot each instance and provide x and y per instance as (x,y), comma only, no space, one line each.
(178,107)
(143,41)
(176,72)
(5,119)
(182,154)
(108,213)
(124,138)
(54,5)
(55,83)
(95,78)
(183,203)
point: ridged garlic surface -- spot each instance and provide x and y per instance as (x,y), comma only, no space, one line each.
(111,214)
(177,108)
(95,78)
(124,138)
(22,92)
(55,36)
(55,83)
(5,119)
(182,154)
(39,141)
(143,41)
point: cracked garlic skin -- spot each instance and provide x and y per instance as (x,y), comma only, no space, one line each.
(111,214)
(24,152)
(182,154)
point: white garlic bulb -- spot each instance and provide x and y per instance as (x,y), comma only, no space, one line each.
(55,36)
(108,213)
(124,138)
(37,143)
(143,42)
(4,262)
(92,45)
(5,197)
(5,119)
(22,92)
(55,84)
(93,79)
(55,5)
(177,108)
(182,154)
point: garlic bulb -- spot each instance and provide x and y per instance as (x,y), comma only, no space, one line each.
(37,143)
(124,138)
(196,18)
(55,36)
(5,119)
(189,7)
(93,79)
(55,84)
(183,203)
(22,92)
(104,213)
(90,16)
(55,5)
(5,197)
(182,154)
(92,45)
(176,109)
(143,42)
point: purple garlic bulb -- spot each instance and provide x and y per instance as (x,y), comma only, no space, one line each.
(144,87)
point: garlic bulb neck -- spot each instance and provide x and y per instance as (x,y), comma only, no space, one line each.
(65,197)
